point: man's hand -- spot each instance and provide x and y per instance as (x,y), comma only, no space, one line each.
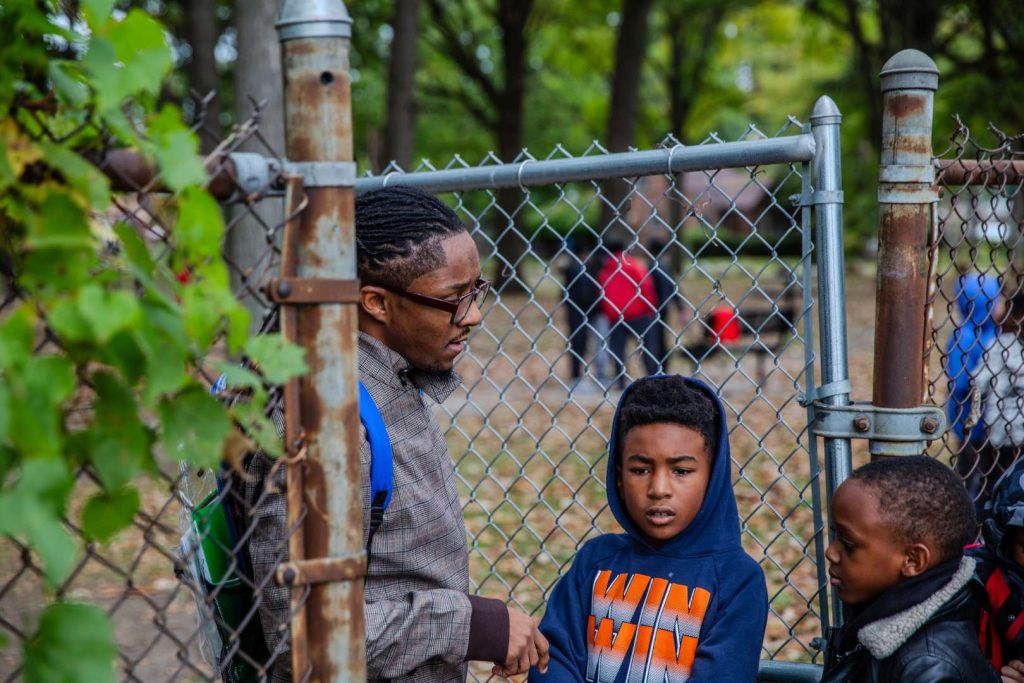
(527,646)
(1013,672)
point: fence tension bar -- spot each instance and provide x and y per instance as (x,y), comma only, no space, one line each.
(905,430)
(322,570)
(295,290)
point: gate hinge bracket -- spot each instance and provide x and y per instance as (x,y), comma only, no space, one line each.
(297,290)
(896,431)
(322,570)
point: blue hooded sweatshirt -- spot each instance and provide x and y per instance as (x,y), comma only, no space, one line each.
(692,610)
(976,297)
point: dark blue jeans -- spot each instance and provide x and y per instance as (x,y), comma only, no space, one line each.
(646,333)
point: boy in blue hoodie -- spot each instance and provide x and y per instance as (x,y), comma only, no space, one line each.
(675,598)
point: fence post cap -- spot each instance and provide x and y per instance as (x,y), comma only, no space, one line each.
(825,111)
(909,70)
(313,19)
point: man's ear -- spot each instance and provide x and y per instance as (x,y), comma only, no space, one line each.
(918,560)
(376,302)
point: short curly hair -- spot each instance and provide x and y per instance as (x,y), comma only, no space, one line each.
(922,501)
(669,398)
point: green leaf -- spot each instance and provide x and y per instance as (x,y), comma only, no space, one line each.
(8,458)
(7,176)
(277,359)
(119,443)
(200,225)
(31,511)
(176,149)
(202,317)
(239,377)
(161,337)
(17,336)
(100,61)
(44,531)
(132,58)
(54,270)
(140,43)
(135,248)
(67,81)
(97,12)
(50,377)
(105,514)
(238,325)
(82,175)
(194,427)
(74,642)
(47,482)
(5,418)
(123,352)
(67,321)
(107,312)
(59,223)
(38,392)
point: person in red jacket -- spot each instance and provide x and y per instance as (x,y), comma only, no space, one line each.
(628,301)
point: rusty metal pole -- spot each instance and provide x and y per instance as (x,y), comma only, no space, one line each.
(906,192)
(314,37)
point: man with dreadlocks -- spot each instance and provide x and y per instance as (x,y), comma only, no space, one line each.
(420,298)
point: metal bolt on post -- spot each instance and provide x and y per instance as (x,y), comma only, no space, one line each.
(906,192)
(314,37)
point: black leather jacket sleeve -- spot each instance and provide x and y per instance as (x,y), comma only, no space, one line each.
(929,668)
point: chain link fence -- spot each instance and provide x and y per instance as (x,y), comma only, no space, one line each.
(183,595)
(529,434)
(975,363)
(728,251)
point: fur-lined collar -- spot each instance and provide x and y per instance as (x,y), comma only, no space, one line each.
(883,637)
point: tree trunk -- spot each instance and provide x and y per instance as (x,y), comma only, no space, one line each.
(257,78)
(630,51)
(689,54)
(201,32)
(401,126)
(512,244)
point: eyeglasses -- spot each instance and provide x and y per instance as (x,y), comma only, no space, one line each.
(459,308)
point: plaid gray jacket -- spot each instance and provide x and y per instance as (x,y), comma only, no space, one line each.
(418,612)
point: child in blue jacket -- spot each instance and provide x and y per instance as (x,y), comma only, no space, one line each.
(675,598)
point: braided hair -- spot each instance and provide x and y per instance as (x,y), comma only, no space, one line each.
(921,500)
(399,231)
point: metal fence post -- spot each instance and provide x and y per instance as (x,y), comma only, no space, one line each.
(314,37)
(906,192)
(828,219)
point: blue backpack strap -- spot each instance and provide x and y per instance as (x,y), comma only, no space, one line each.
(381,464)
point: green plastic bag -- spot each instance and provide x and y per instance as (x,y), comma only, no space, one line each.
(230,595)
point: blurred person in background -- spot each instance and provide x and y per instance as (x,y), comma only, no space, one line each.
(999,382)
(579,276)
(628,301)
(666,288)
(978,301)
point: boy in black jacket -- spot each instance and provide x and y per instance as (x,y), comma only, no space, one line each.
(1001,569)
(897,561)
